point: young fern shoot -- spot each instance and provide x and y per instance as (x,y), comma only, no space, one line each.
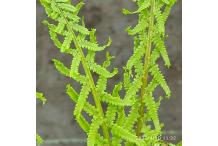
(117,127)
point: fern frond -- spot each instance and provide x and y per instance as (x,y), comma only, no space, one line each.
(153,111)
(83,123)
(162,49)
(132,117)
(102,81)
(155,54)
(75,63)
(88,108)
(41,97)
(151,86)
(138,28)
(80,29)
(66,6)
(160,21)
(67,42)
(134,88)
(93,131)
(126,79)
(136,57)
(116,89)
(154,70)
(143,5)
(101,70)
(39,140)
(166,1)
(128,136)
(93,46)
(61,67)
(116,101)
(111,114)
(82,99)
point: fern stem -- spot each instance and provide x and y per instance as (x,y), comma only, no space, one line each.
(91,81)
(146,68)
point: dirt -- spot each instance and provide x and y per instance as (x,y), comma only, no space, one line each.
(55,120)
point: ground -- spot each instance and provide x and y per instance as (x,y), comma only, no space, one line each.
(54,120)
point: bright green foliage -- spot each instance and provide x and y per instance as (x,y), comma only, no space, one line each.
(39,140)
(117,127)
(41,97)
(149,35)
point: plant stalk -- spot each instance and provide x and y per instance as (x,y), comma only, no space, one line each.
(146,69)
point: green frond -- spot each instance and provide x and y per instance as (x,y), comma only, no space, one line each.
(101,70)
(75,63)
(132,117)
(126,79)
(116,101)
(41,97)
(159,101)
(121,116)
(73,18)
(67,42)
(88,108)
(86,127)
(61,67)
(154,70)
(116,89)
(107,62)
(93,131)
(136,57)
(155,54)
(78,77)
(52,34)
(102,81)
(166,1)
(134,88)
(67,7)
(160,21)
(39,140)
(83,123)
(111,114)
(80,29)
(151,86)
(60,27)
(126,135)
(141,26)
(82,99)
(68,25)
(153,111)
(139,68)
(167,9)
(79,6)
(143,5)
(93,46)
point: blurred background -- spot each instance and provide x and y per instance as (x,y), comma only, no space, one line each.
(55,122)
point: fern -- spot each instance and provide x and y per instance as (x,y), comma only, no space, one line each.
(43,99)
(117,127)
(148,46)
(39,140)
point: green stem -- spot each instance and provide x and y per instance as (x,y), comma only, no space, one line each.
(91,81)
(146,68)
